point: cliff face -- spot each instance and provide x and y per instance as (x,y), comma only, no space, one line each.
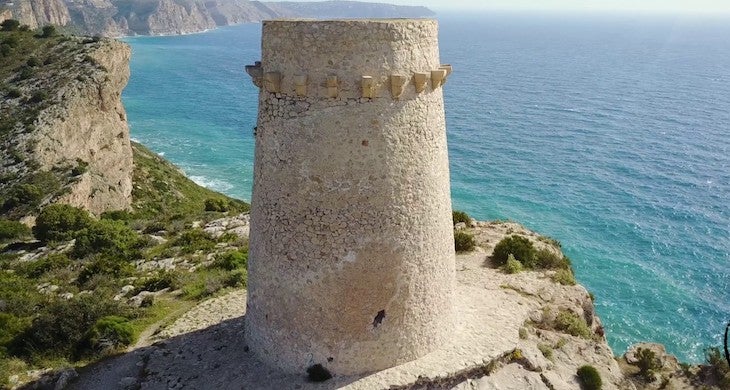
(37,13)
(65,132)
(90,125)
(168,17)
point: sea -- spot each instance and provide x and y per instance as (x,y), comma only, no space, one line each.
(607,132)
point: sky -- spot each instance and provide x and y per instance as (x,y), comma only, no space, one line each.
(682,6)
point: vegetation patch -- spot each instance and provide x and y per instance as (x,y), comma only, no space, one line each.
(520,247)
(589,378)
(460,216)
(463,241)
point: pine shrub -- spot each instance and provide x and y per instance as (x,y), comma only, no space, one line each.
(519,246)
(463,241)
(590,378)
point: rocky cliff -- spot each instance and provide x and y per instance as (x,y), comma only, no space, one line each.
(64,126)
(35,13)
(169,17)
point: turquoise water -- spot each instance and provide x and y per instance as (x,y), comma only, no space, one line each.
(608,133)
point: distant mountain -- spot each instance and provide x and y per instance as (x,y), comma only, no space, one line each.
(170,17)
(347,9)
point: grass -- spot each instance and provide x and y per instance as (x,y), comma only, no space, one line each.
(162,313)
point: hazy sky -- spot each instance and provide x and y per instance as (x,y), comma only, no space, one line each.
(683,6)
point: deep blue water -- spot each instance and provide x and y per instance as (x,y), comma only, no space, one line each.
(609,133)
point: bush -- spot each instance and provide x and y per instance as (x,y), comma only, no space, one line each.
(647,362)
(513,266)
(460,216)
(519,246)
(10,25)
(194,240)
(48,31)
(232,260)
(38,97)
(718,367)
(159,281)
(463,241)
(60,222)
(107,334)
(112,239)
(14,93)
(36,269)
(101,265)
(33,61)
(12,230)
(572,324)
(217,204)
(59,327)
(564,277)
(547,259)
(589,378)
(28,195)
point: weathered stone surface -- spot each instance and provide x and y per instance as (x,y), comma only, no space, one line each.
(351,255)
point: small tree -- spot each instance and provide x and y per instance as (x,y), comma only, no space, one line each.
(460,216)
(48,31)
(9,25)
(647,362)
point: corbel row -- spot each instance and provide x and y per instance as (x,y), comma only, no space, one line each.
(271,82)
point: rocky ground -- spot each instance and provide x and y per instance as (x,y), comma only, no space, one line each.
(508,336)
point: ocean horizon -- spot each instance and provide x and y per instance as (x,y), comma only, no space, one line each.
(608,133)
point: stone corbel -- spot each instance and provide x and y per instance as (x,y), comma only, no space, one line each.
(256,73)
(448,68)
(368,87)
(397,85)
(332,85)
(437,78)
(272,82)
(300,84)
(420,80)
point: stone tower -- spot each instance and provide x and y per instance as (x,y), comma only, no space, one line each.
(351,246)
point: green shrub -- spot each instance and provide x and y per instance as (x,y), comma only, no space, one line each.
(194,240)
(60,326)
(112,239)
(564,277)
(546,350)
(718,367)
(117,215)
(589,378)
(463,241)
(10,327)
(460,216)
(159,281)
(60,222)
(236,278)
(36,269)
(80,168)
(102,265)
(512,266)
(10,25)
(107,334)
(231,260)
(647,362)
(547,259)
(217,204)
(519,246)
(33,61)
(13,230)
(38,97)
(14,93)
(48,31)
(25,195)
(572,324)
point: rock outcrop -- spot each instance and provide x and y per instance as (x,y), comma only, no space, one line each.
(67,137)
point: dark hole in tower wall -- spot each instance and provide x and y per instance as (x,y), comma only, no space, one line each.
(379,318)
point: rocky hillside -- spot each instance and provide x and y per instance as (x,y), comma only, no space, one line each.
(36,13)
(168,17)
(62,123)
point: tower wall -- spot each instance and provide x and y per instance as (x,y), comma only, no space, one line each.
(351,247)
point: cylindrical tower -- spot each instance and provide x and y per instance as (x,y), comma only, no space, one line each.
(351,247)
